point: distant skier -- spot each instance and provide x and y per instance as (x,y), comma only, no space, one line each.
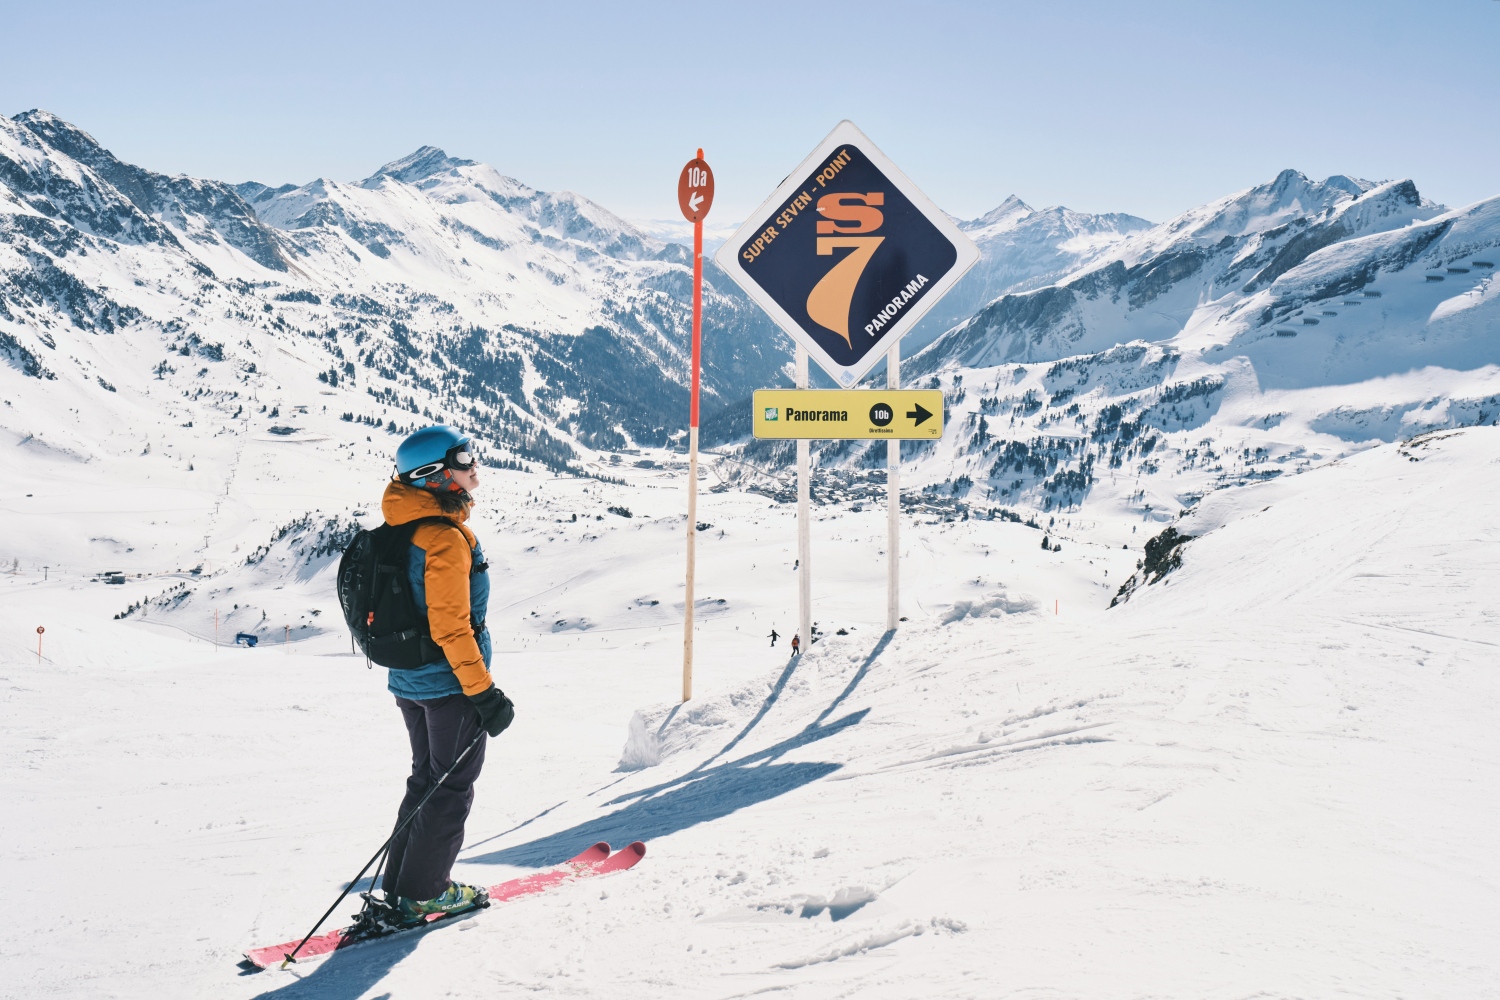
(450,701)
(774,636)
(796,645)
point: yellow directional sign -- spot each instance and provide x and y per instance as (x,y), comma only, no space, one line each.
(849,413)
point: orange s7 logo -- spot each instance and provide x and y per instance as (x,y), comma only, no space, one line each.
(844,215)
(851,208)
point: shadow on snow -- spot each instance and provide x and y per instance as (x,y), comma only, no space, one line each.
(349,974)
(708,792)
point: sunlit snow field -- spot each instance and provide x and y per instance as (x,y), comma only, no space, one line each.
(1271,774)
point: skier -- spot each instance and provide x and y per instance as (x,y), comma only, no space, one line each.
(451,701)
(796,645)
(774,636)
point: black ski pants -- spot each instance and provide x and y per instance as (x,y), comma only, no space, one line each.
(422,855)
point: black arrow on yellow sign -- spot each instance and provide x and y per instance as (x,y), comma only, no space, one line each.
(920,414)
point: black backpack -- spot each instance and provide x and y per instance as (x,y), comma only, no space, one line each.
(378,603)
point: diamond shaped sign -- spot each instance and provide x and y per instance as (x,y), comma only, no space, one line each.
(847,254)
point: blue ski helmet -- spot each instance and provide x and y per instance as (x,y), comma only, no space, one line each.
(425,457)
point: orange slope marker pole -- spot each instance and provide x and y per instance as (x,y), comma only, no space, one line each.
(695,194)
(692,512)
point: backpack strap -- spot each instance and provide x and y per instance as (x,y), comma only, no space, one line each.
(474,567)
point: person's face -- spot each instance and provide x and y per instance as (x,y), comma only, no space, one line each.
(467,478)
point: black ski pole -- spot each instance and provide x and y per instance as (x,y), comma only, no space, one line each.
(292,955)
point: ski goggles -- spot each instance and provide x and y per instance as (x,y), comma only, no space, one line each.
(458,457)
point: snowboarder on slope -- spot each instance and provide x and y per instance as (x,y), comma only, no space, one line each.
(446,704)
(796,644)
(774,636)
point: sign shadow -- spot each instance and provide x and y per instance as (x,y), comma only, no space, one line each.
(699,796)
(707,792)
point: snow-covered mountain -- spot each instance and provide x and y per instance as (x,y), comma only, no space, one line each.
(537,319)
(1154,284)
(1020,248)
(200,332)
(1268,331)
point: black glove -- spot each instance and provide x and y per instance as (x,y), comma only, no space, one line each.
(496,711)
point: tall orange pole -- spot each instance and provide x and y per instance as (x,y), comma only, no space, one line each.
(692,518)
(697,315)
(695,195)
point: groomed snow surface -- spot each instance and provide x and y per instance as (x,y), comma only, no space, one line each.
(1272,774)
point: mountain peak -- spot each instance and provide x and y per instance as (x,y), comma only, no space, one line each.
(38,115)
(418,166)
(1291,185)
(1011,210)
(1356,186)
(65,137)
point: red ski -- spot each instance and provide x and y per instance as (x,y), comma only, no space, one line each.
(595,861)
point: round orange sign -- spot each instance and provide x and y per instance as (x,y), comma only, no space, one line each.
(695,189)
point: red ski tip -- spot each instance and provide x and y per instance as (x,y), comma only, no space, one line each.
(623,859)
(592,855)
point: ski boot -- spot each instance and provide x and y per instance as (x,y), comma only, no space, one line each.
(457,898)
(377,919)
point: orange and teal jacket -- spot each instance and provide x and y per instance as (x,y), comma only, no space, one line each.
(446,588)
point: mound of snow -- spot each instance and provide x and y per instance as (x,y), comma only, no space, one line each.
(995,605)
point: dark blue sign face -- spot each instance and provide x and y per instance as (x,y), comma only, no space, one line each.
(847,256)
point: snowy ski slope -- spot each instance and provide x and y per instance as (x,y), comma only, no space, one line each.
(1269,774)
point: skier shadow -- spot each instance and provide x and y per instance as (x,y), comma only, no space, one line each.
(349,974)
(708,792)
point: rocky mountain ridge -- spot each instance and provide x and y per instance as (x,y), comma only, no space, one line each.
(436,285)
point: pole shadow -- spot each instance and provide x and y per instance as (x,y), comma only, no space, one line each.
(700,796)
(780,685)
(765,708)
(707,792)
(859,675)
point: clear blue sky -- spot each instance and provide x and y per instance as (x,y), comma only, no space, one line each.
(1148,107)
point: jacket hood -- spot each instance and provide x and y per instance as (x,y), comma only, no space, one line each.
(403,503)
